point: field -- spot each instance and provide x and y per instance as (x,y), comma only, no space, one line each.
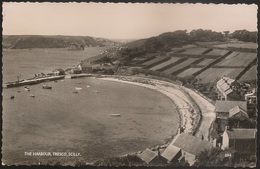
(208,43)
(155,60)
(212,74)
(58,120)
(172,60)
(231,65)
(218,52)
(194,51)
(188,72)
(240,60)
(250,75)
(247,45)
(28,62)
(233,54)
(180,65)
(205,62)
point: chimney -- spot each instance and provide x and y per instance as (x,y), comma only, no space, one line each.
(226,128)
(158,151)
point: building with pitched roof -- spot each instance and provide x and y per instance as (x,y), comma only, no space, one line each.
(58,72)
(240,140)
(172,153)
(232,114)
(251,98)
(185,146)
(151,157)
(227,89)
(238,118)
(222,108)
(85,67)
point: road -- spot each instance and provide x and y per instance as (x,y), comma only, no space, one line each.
(208,114)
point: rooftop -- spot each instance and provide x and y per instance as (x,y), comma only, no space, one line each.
(241,133)
(225,106)
(170,152)
(147,155)
(191,144)
(224,85)
(236,110)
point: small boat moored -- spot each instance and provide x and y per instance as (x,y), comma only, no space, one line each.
(115,115)
(78,88)
(26,88)
(12,97)
(45,86)
(32,95)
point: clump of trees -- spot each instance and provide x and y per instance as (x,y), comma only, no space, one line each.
(217,157)
(76,46)
(205,35)
(128,54)
(244,35)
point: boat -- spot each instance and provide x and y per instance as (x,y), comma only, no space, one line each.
(12,97)
(32,95)
(115,115)
(75,92)
(45,86)
(78,88)
(26,88)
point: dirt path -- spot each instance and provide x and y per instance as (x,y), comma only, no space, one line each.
(208,115)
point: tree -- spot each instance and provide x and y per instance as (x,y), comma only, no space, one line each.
(226,33)
(214,157)
(244,35)
(205,35)
(106,59)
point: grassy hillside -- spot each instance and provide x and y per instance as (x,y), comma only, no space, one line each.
(40,41)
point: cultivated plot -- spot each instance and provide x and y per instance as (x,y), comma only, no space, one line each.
(180,65)
(241,60)
(194,51)
(189,72)
(155,60)
(172,60)
(250,75)
(218,52)
(211,74)
(205,62)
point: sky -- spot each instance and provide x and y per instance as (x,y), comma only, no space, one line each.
(123,20)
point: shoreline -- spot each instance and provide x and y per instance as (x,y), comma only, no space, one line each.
(196,120)
(186,107)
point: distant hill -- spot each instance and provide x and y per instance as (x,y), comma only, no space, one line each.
(166,41)
(59,41)
(137,43)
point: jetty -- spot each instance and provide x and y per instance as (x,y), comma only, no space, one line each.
(74,76)
(33,81)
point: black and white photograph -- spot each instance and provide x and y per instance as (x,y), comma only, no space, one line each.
(129,84)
